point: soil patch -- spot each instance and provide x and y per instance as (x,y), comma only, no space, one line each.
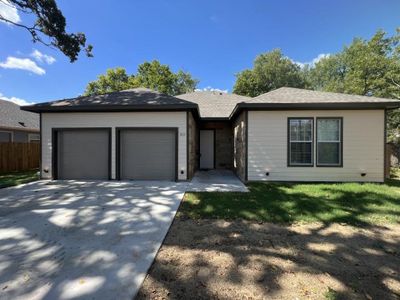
(217,259)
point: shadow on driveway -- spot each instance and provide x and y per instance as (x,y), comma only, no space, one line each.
(70,239)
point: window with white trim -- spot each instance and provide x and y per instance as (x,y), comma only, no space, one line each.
(329,142)
(300,142)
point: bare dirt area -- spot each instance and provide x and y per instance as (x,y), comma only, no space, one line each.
(217,259)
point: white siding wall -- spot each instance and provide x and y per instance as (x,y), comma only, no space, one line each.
(113,120)
(363,147)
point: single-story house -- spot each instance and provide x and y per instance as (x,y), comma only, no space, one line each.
(287,134)
(17,125)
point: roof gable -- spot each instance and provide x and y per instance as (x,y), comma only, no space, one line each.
(214,104)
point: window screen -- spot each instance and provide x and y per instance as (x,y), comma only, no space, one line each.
(300,142)
(329,142)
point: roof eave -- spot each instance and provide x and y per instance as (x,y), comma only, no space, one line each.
(27,129)
(109,108)
(314,106)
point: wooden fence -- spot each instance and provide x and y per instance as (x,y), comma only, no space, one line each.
(19,157)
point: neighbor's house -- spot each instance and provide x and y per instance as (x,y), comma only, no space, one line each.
(284,135)
(16,125)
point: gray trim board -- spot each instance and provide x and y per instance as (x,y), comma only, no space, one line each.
(385,162)
(40,148)
(246,122)
(187,145)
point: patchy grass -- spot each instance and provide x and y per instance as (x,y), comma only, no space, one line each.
(351,203)
(395,173)
(16,178)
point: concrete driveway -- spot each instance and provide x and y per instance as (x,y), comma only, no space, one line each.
(82,240)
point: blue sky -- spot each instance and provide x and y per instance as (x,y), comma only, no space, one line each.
(211,39)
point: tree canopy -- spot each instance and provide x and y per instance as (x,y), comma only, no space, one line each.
(152,75)
(365,67)
(50,23)
(271,70)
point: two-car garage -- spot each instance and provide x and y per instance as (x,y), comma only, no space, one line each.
(135,134)
(141,153)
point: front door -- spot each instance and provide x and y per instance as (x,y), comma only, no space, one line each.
(207,149)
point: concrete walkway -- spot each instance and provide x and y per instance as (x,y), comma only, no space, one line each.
(82,240)
(216,181)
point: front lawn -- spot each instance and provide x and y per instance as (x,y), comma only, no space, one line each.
(16,178)
(350,203)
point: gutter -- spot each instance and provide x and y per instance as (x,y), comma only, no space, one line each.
(20,129)
(314,106)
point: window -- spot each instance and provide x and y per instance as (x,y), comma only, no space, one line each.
(6,136)
(329,142)
(300,145)
(34,138)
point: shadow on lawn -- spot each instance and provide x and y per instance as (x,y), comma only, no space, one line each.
(216,259)
(357,204)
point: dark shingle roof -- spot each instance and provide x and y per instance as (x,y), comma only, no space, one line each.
(214,104)
(11,116)
(139,98)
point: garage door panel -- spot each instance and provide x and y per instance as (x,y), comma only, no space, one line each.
(83,154)
(148,154)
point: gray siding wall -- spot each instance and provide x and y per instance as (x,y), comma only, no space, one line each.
(363,147)
(239,151)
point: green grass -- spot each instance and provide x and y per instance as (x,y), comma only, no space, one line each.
(350,203)
(331,294)
(16,178)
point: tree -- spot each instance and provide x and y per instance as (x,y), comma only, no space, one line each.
(152,75)
(365,67)
(49,23)
(271,70)
(114,80)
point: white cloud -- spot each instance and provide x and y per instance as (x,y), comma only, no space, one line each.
(210,89)
(9,12)
(16,100)
(40,57)
(22,64)
(313,62)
